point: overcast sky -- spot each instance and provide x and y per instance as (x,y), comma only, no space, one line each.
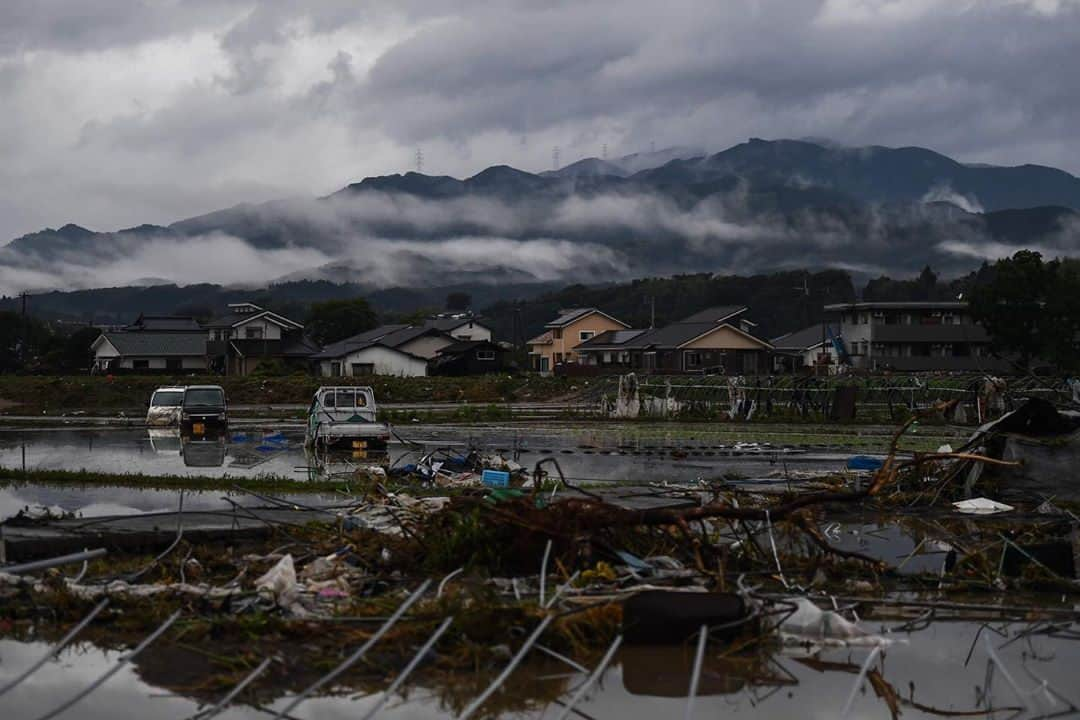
(118,112)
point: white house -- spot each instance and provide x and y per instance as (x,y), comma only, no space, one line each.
(387,350)
(149,351)
(464,326)
(248,334)
(806,348)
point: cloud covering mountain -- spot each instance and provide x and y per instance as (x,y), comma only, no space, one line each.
(118,112)
(756,206)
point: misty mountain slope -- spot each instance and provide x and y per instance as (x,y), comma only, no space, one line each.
(878,174)
(758,205)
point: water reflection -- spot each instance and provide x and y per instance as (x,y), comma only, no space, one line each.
(942,669)
(585,453)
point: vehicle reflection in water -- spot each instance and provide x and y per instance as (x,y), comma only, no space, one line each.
(164,441)
(203,451)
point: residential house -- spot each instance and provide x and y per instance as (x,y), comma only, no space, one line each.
(153,343)
(460,326)
(561,337)
(469,357)
(248,335)
(403,350)
(718,339)
(914,336)
(810,347)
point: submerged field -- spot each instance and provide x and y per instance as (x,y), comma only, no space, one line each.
(915,610)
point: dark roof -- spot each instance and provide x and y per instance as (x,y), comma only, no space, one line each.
(802,339)
(146,343)
(298,345)
(609,340)
(671,336)
(677,334)
(163,323)
(463,346)
(391,336)
(905,305)
(446,324)
(568,316)
(715,315)
(231,319)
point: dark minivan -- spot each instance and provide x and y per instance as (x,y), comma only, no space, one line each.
(204,409)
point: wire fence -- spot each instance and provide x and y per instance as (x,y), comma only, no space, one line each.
(871,398)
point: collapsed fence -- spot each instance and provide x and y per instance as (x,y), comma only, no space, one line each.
(885,399)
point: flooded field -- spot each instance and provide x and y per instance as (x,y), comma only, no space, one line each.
(689,571)
(591,453)
(939,669)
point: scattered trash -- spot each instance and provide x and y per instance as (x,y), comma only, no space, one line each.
(809,624)
(981,506)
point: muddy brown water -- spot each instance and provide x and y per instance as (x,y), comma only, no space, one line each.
(942,666)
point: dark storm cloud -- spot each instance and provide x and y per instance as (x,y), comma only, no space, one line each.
(122,111)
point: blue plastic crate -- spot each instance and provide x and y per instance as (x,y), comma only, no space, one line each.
(496,478)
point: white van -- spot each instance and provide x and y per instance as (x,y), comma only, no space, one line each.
(165,405)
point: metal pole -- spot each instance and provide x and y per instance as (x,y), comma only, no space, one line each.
(417,659)
(114,669)
(592,679)
(699,657)
(475,704)
(356,656)
(55,649)
(52,562)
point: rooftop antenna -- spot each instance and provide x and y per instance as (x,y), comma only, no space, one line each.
(555,157)
(419,160)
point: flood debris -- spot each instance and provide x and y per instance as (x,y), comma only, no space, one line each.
(425,570)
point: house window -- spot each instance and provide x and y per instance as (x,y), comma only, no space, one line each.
(544,364)
(253,333)
(557,333)
(172,363)
(485,355)
(140,364)
(558,358)
(363,369)
(335,369)
(585,335)
(693,359)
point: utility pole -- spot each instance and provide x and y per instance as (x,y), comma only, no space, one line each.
(25,330)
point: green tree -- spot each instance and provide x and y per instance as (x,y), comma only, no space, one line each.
(1030,308)
(334,320)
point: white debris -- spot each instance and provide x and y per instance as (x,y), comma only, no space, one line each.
(279,579)
(981,506)
(811,624)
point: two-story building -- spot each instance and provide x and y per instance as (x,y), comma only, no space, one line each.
(717,339)
(247,335)
(914,336)
(561,337)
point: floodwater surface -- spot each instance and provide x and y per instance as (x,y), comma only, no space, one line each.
(587,454)
(943,668)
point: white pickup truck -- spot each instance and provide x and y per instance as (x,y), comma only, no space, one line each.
(345,417)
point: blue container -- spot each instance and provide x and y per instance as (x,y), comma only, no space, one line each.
(862,462)
(495,478)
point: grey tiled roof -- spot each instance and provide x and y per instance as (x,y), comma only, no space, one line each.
(569,316)
(609,339)
(391,336)
(802,339)
(144,343)
(446,324)
(715,314)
